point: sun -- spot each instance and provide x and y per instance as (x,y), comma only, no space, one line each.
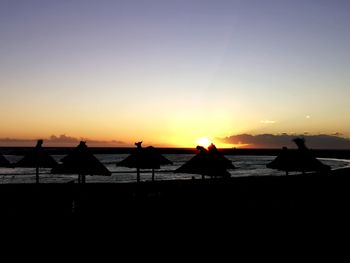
(203,141)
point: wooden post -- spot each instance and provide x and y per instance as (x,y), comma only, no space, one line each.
(152,175)
(83,179)
(37,174)
(138,175)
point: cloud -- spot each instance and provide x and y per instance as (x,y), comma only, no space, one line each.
(267,122)
(322,141)
(337,134)
(61,140)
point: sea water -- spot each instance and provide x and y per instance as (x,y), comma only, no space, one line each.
(245,166)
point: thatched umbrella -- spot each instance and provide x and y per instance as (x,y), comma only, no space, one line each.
(82,162)
(37,158)
(218,160)
(209,162)
(285,161)
(4,162)
(144,158)
(301,160)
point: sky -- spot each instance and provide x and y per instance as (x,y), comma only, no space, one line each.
(170,72)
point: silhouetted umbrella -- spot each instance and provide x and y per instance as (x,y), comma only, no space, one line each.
(82,162)
(4,162)
(285,161)
(209,162)
(218,159)
(144,158)
(37,158)
(301,160)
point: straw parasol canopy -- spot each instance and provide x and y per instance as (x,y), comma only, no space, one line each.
(209,162)
(4,162)
(218,159)
(82,162)
(37,158)
(285,161)
(144,158)
(301,160)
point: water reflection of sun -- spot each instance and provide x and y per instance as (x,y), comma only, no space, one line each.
(203,141)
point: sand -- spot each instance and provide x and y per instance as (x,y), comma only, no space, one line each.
(294,194)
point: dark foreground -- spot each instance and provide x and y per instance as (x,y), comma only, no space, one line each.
(179,215)
(209,200)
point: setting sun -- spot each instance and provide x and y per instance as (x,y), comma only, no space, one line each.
(204,141)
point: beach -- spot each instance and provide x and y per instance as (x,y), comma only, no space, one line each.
(253,196)
(210,198)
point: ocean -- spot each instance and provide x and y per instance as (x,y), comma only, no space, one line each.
(245,166)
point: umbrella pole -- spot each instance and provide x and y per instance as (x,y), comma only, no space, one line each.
(138,175)
(152,175)
(37,174)
(78,178)
(83,179)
